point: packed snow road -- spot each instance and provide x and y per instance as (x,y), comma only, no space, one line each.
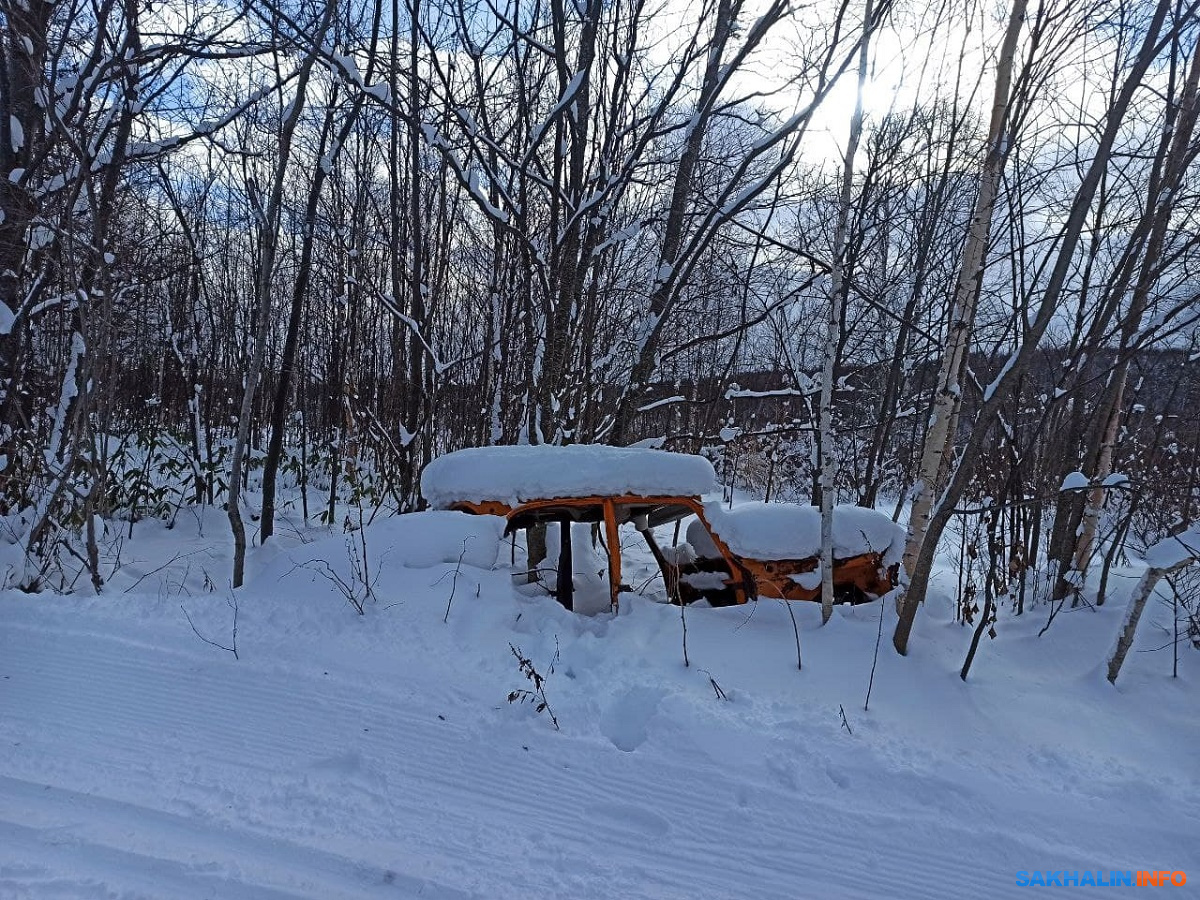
(343,756)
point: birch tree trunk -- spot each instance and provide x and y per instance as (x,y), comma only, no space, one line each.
(833,327)
(1019,362)
(1181,153)
(939,441)
(1166,557)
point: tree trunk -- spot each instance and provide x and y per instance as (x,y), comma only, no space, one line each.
(939,440)
(269,242)
(1176,553)
(416,411)
(291,340)
(1086,524)
(834,328)
(1021,358)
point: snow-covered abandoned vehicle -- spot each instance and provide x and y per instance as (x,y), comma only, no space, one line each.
(730,555)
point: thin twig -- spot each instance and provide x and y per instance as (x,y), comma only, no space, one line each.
(454,583)
(875,658)
(173,559)
(746,620)
(796,631)
(721,695)
(233,649)
(683,619)
(537,696)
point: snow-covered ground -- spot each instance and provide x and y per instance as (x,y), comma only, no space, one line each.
(345,756)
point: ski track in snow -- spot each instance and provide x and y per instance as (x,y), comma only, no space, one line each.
(292,758)
(134,765)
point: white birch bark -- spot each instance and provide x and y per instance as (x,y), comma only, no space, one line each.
(938,439)
(1177,163)
(833,326)
(1095,497)
(1021,359)
(1166,557)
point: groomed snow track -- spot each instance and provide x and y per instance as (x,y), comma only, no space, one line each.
(144,772)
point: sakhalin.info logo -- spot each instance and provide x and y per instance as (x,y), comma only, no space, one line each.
(1102,879)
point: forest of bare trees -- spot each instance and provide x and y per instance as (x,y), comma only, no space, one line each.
(941,254)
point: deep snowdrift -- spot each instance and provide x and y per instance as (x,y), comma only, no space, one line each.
(345,756)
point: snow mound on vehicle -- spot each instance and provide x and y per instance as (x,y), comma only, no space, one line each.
(789,531)
(522,473)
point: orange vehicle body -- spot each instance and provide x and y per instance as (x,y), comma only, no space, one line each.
(855,578)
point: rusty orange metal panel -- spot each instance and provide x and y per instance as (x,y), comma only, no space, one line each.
(483,508)
(614,553)
(772,578)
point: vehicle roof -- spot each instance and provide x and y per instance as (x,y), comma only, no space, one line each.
(524,473)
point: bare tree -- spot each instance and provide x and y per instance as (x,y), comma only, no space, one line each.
(834,326)
(267,215)
(1032,331)
(1168,556)
(939,437)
